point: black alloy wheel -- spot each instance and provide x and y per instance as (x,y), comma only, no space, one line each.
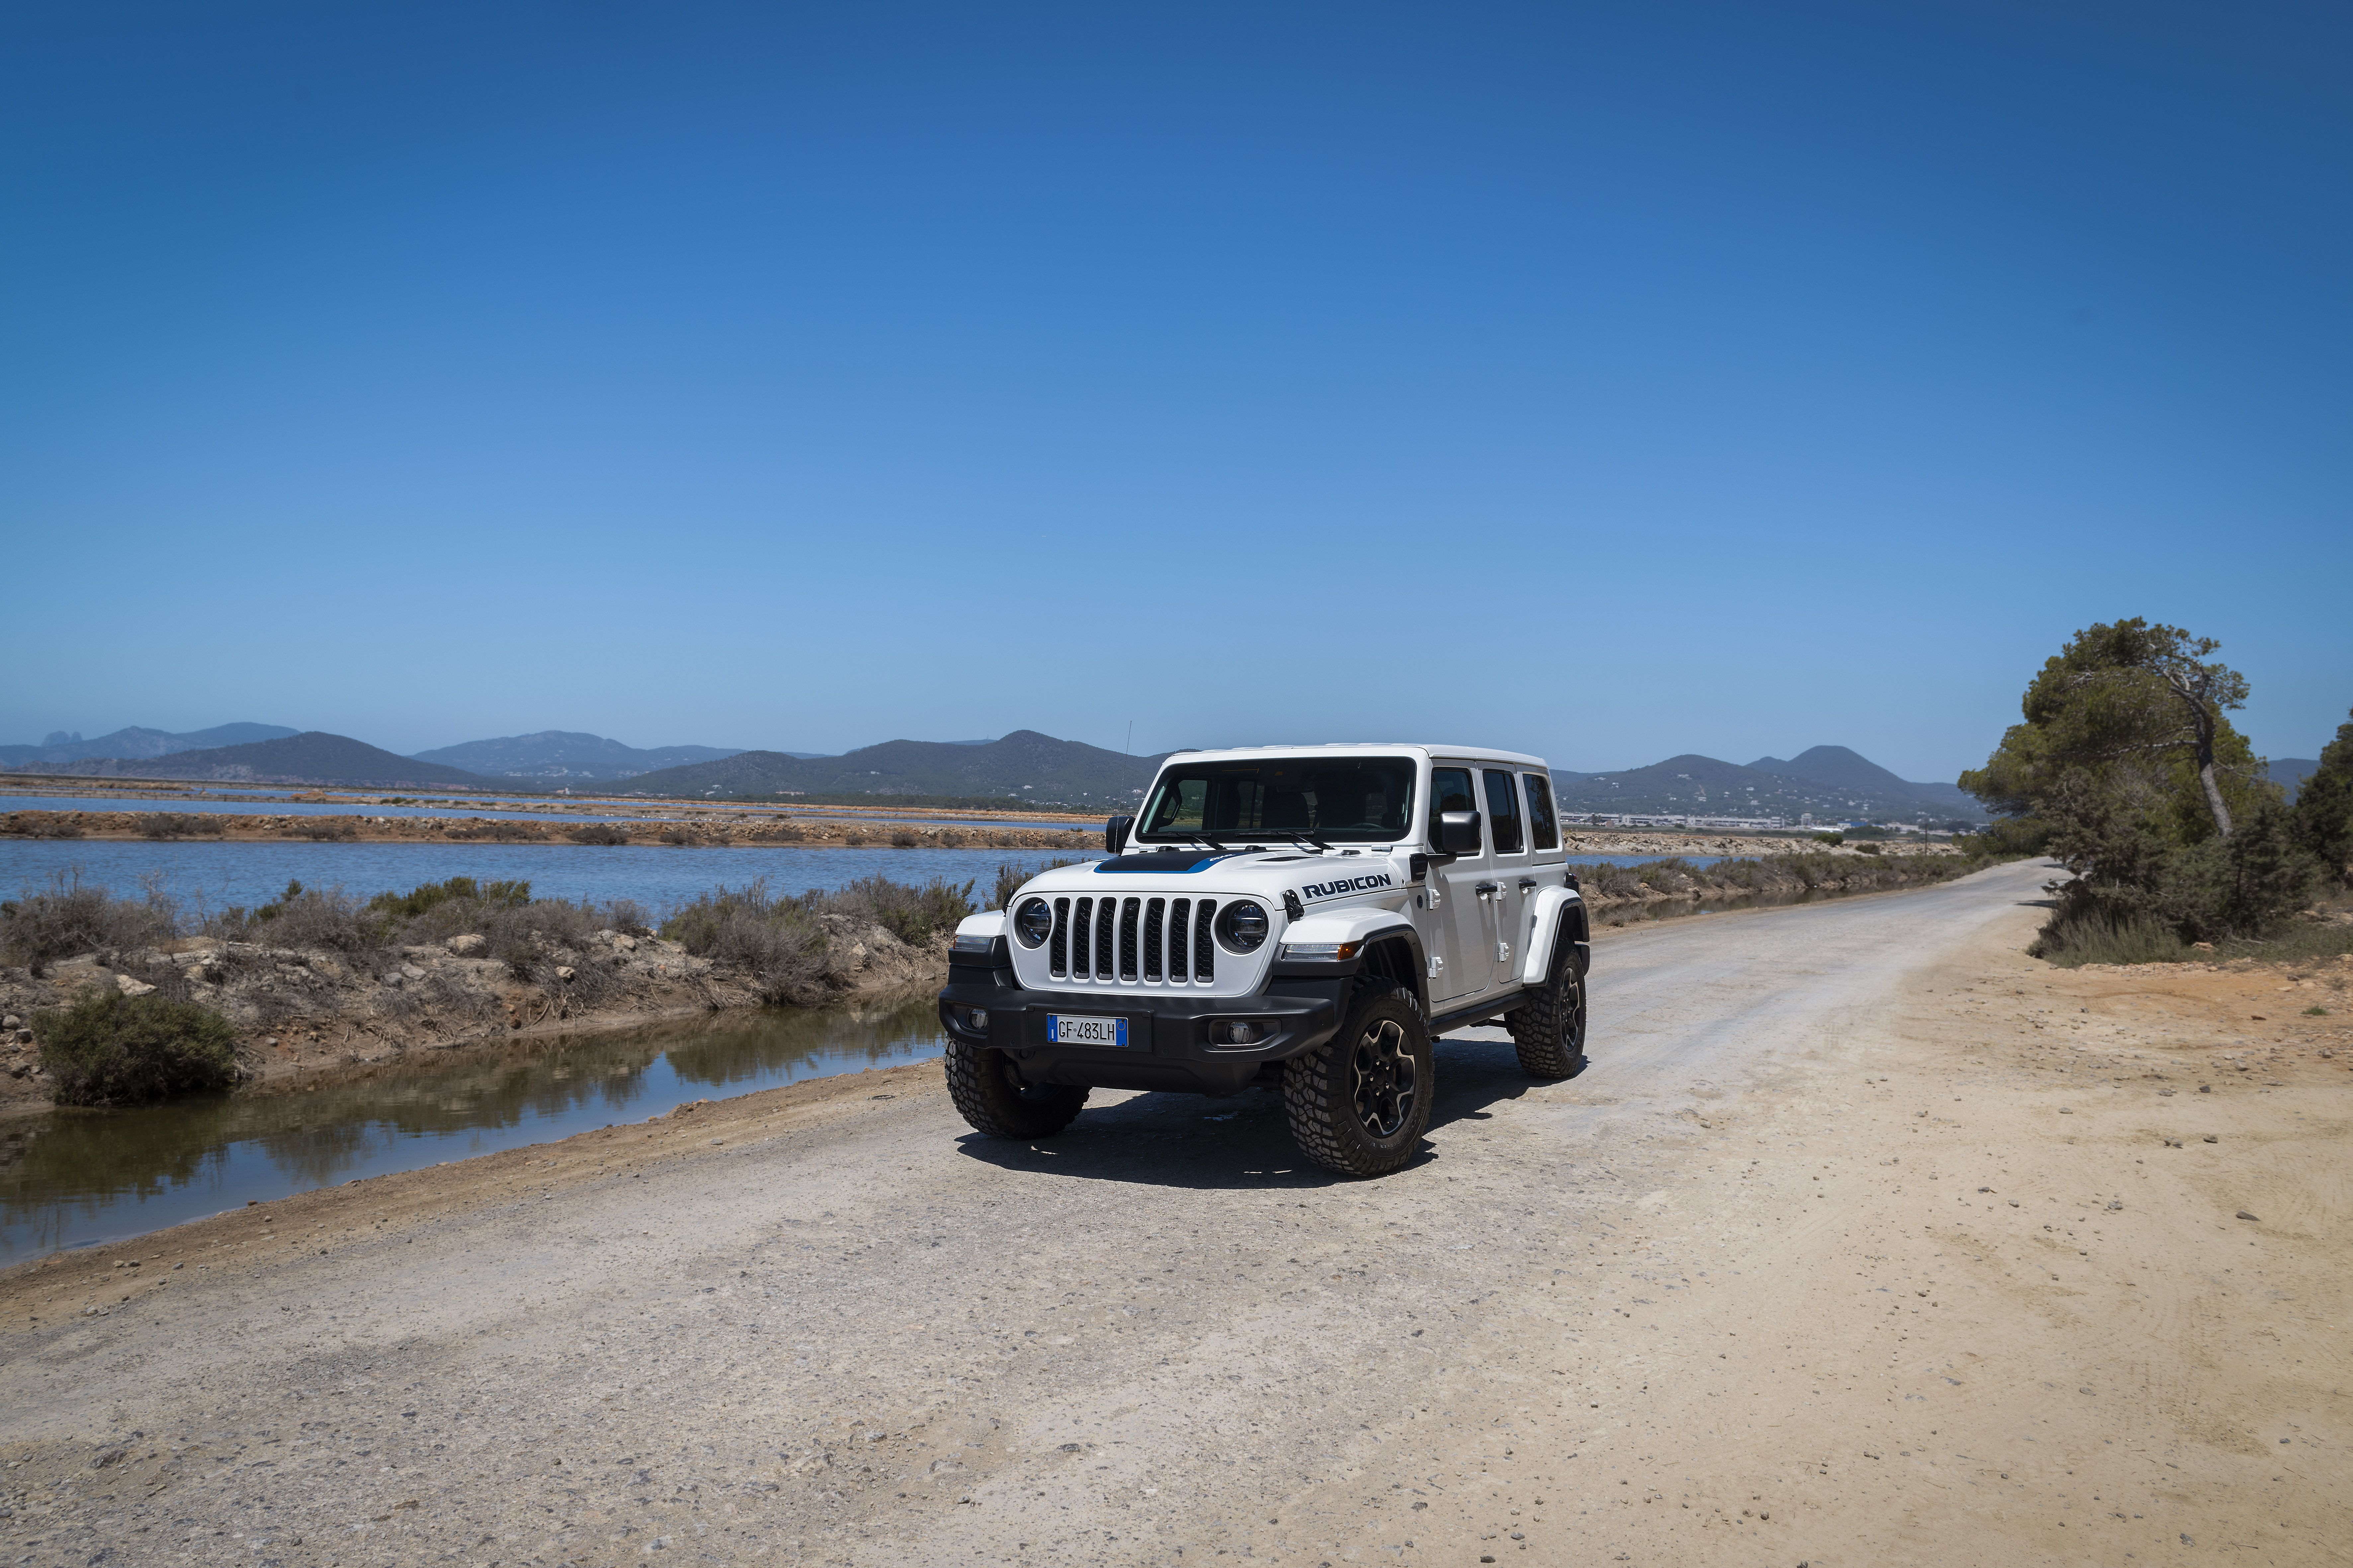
(1387,1081)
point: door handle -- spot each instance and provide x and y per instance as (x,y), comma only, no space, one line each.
(1484,888)
(1527,883)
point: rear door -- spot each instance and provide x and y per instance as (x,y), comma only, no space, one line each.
(1463,917)
(1508,883)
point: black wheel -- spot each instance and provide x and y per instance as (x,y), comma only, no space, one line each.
(1360,1102)
(1548,1029)
(987,1093)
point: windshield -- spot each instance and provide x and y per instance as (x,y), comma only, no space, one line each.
(1339,800)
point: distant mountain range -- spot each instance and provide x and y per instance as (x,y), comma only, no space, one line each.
(1829,783)
(1025,765)
(135,742)
(569,754)
(312,757)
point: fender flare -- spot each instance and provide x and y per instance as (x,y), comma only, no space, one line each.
(1369,926)
(1561,930)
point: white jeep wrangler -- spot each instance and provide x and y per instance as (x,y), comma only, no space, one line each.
(1301,918)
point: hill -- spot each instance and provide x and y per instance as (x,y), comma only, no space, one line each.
(312,757)
(136,741)
(1024,765)
(570,754)
(1849,769)
(1692,785)
(2289,773)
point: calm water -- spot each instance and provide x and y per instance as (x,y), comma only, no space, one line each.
(657,876)
(651,810)
(71,1178)
(278,808)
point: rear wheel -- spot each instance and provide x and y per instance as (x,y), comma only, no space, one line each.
(990,1096)
(1359,1103)
(1548,1029)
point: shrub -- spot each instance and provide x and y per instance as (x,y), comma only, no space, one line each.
(40,825)
(324,829)
(174,824)
(111,1049)
(778,941)
(904,838)
(408,906)
(2095,938)
(304,917)
(599,833)
(66,919)
(1830,837)
(911,914)
(682,836)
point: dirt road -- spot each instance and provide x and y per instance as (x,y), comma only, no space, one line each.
(1857,1244)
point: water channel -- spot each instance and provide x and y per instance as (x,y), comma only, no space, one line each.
(74,1178)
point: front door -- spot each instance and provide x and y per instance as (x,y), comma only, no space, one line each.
(1466,916)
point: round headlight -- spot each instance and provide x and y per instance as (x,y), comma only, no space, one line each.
(1242,926)
(1034,923)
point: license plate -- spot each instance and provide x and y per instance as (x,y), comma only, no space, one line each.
(1064,1029)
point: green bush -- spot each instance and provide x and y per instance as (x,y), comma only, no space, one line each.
(1830,837)
(599,833)
(110,1050)
(778,941)
(1012,877)
(326,829)
(408,906)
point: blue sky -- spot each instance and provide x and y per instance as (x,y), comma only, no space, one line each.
(1606,382)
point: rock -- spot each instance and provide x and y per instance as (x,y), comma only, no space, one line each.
(11,1022)
(563,972)
(2201,947)
(412,972)
(130,988)
(2244,1215)
(625,944)
(2212,1139)
(468,945)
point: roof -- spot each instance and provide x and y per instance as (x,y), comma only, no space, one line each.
(1368,748)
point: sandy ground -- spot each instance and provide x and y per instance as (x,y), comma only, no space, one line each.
(1866,1240)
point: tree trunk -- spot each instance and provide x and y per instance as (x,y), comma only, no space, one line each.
(2206,776)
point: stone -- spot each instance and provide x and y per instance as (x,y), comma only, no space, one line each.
(467,945)
(11,1022)
(563,972)
(2244,1215)
(130,988)
(412,972)
(2212,1139)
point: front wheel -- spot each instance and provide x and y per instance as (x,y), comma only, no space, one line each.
(1548,1029)
(1359,1103)
(990,1096)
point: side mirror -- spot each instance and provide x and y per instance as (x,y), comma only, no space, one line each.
(1115,833)
(1458,833)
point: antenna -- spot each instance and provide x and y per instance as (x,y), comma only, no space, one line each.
(1128,748)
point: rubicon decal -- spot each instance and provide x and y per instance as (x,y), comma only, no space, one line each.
(1345,885)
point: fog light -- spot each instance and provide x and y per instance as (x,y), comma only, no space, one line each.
(1241,1032)
(977,1019)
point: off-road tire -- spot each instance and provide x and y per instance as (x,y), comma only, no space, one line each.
(1548,1029)
(987,1093)
(1344,1098)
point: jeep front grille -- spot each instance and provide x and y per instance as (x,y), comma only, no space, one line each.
(1158,941)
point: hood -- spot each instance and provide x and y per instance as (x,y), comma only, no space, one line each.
(1146,921)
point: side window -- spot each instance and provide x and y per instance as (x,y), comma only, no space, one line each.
(1541,825)
(1449,790)
(1503,813)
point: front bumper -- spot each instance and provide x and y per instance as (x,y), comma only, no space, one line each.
(1168,1033)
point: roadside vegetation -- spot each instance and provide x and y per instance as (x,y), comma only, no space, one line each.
(2127,770)
(1783,875)
(111,1049)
